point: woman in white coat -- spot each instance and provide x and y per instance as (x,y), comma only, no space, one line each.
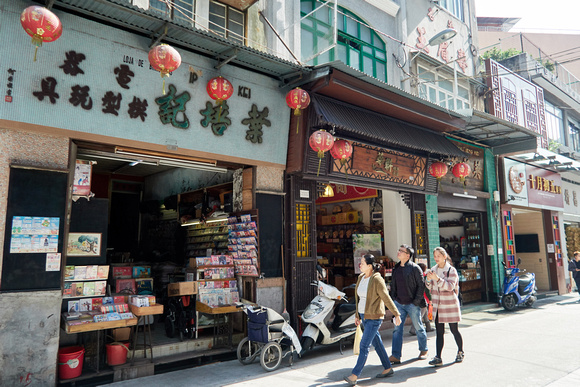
(442,280)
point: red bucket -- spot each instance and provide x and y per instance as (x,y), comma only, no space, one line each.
(117,353)
(70,362)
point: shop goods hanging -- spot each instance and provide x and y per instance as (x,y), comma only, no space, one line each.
(41,24)
(164,59)
(341,150)
(461,171)
(321,141)
(297,99)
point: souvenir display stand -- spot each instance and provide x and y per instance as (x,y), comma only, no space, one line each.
(222,324)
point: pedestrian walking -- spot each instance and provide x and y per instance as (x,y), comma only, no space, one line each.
(371,297)
(574,268)
(424,310)
(442,281)
(407,289)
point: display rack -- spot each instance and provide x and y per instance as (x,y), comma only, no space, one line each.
(204,236)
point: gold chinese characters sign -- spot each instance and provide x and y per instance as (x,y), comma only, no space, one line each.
(384,164)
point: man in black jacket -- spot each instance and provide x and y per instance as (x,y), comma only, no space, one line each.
(407,288)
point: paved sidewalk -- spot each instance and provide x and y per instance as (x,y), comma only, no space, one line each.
(527,347)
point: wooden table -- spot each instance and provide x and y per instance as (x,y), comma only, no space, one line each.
(219,327)
(141,313)
(98,327)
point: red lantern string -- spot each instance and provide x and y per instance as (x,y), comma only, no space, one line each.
(341,150)
(438,169)
(461,170)
(41,24)
(164,59)
(320,142)
(297,99)
(219,89)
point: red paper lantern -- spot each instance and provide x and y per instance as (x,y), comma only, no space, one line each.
(219,89)
(41,24)
(297,99)
(164,59)
(461,171)
(341,150)
(438,170)
(320,142)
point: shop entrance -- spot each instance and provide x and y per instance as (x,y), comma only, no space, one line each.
(530,241)
(461,235)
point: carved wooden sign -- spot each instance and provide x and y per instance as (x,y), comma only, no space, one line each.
(476,164)
(384,164)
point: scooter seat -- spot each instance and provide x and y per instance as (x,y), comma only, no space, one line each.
(344,310)
(524,281)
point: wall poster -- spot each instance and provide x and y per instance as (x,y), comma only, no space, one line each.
(34,234)
(83,244)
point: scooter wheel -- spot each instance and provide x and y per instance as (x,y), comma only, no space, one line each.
(307,343)
(509,302)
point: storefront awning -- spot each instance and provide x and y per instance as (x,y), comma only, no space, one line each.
(503,137)
(367,126)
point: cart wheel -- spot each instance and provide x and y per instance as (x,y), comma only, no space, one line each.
(247,351)
(271,356)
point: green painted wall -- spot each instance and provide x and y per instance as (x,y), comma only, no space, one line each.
(490,185)
(432,225)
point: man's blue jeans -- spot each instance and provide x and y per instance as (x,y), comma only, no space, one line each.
(414,312)
(371,335)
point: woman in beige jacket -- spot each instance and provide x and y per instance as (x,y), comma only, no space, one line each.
(371,297)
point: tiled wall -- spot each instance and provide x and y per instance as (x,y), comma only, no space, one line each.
(432,225)
(28,149)
(490,185)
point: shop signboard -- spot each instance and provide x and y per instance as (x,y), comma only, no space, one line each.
(516,190)
(544,188)
(571,192)
(529,186)
(475,161)
(516,99)
(347,193)
(384,164)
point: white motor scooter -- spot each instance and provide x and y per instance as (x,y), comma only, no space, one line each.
(328,322)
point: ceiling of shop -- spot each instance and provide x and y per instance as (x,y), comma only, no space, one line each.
(116,167)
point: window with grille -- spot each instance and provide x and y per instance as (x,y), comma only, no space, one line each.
(177,10)
(436,88)
(554,123)
(357,45)
(420,235)
(227,21)
(303,246)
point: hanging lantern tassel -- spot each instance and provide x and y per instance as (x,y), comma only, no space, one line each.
(297,99)
(320,142)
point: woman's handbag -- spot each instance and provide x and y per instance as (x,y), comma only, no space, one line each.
(357,338)
(430,312)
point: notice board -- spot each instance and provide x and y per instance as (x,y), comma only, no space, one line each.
(37,194)
(271,220)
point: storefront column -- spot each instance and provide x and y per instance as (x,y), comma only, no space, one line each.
(432,226)
(493,219)
(397,223)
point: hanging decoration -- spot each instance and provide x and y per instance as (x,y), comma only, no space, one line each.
(341,150)
(220,90)
(41,24)
(438,169)
(461,171)
(297,99)
(164,59)
(320,142)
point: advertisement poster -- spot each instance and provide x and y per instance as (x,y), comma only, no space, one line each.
(31,234)
(84,244)
(82,182)
(365,244)
(53,262)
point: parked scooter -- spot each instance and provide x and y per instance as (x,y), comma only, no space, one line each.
(328,322)
(519,287)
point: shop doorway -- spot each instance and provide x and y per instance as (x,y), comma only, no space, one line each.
(530,242)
